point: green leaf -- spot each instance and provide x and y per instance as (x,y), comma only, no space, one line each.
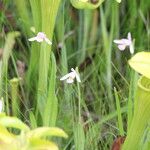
(33,121)
(51,107)
(78,135)
(140,62)
(13,122)
(47,131)
(10,41)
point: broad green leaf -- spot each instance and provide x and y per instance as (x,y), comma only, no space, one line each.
(140,62)
(38,144)
(51,107)
(47,131)
(13,122)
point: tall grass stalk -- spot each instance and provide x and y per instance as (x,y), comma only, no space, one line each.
(51,107)
(22,10)
(85,21)
(132,92)
(66,109)
(108,37)
(34,49)
(107,49)
(120,120)
(79,136)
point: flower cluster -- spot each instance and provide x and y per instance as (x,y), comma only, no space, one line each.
(70,77)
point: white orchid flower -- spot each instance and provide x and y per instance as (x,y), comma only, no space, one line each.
(1,105)
(123,43)
(71,76)
(40,37)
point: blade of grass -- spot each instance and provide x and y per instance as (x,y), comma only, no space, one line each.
(120,120)
(23,13)
(51,107)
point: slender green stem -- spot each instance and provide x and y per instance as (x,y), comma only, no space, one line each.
(79,102)
(120,122)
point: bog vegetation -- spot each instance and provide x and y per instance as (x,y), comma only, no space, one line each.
(74,75)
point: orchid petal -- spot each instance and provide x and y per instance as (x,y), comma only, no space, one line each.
(118,41)
(129,36)
(76,75)
(123,42)
(131,49)
(66,76)
(78,78)
(48,41)
(69,80)
(122,47)
(32,39)
(41,35)
(39,39)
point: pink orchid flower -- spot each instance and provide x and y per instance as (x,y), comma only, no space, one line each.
(40,37)
(123,43)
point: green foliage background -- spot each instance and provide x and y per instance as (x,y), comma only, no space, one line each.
(92,113)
